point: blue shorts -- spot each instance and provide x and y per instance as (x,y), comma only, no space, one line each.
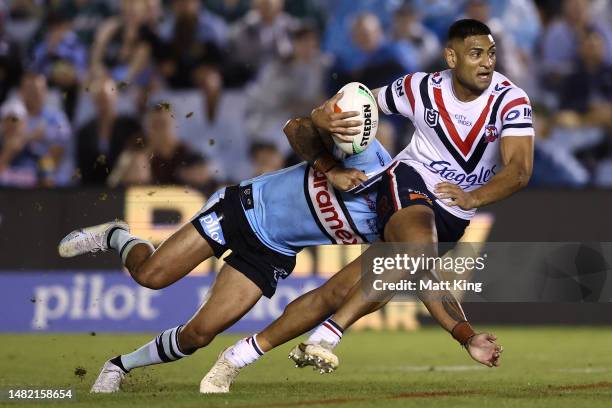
(400,187)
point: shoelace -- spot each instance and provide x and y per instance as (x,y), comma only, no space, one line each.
(222,366)
(99,246)
(110,378)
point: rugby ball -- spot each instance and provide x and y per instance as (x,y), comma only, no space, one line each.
(357,97)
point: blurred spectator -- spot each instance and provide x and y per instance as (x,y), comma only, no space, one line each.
(510,61)
(10,58)
(313,11)
(438,15)
(561,40)
(259,37)
(520,20)
(286,88)
(190,53)
(266,158)
(407,27)
(119,49)
(585,107)
(24,20)
(554,161)
(61,57)
(18,163)
(101,140)
(229,10)
(378,61)
(133,167)
(88,15)
(49,131)
(172,161)
(586,94)
(337,39)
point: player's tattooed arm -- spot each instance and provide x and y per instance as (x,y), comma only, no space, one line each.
(443,307)
(310,144)
(447,311)
(315,146)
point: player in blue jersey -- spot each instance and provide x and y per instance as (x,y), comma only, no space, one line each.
(264,221)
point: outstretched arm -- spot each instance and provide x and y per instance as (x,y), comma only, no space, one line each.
(447,311)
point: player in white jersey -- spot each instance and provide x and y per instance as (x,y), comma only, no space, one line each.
(473,146)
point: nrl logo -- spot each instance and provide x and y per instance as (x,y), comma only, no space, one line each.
(431,117)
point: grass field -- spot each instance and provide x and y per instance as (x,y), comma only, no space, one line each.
(542,367)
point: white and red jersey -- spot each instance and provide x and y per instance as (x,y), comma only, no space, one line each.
(456,141)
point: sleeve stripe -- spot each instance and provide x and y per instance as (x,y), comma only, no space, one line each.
(517,126)
(512,104)
(389,100)
(408,90)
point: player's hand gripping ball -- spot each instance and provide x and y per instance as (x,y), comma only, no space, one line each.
(350,116)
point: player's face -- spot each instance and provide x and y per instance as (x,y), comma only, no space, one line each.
(473,61)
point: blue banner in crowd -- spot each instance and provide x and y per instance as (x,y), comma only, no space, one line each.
(113,302)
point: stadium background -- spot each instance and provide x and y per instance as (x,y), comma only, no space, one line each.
(138,109)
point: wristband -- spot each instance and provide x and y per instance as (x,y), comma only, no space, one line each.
(463,332)
(324,164)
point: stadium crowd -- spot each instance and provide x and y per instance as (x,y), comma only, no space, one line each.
(195,92)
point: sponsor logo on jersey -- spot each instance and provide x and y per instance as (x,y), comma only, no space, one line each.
(381,160)
(513,114)
(527,113)
(456,176)
(462,120)
(417,195)
(491,133)
(431,117)
(212,227)
(399,87)
(328,210)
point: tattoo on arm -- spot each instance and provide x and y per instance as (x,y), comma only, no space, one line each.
(306,140)
(452,307)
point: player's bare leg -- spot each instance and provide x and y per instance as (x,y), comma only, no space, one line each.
(176,256)
(299,316)
(172,260)
(308,310)
(231,297)
(414,225)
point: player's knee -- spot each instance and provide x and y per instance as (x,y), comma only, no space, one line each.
(334,295)
(198,335)
(151,276)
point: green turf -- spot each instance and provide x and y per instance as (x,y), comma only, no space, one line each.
(542,367)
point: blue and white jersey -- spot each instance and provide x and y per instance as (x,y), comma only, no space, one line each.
(297,207)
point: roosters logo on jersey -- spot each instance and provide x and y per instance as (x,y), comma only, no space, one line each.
(444,170)
(491,133)
(431,117)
